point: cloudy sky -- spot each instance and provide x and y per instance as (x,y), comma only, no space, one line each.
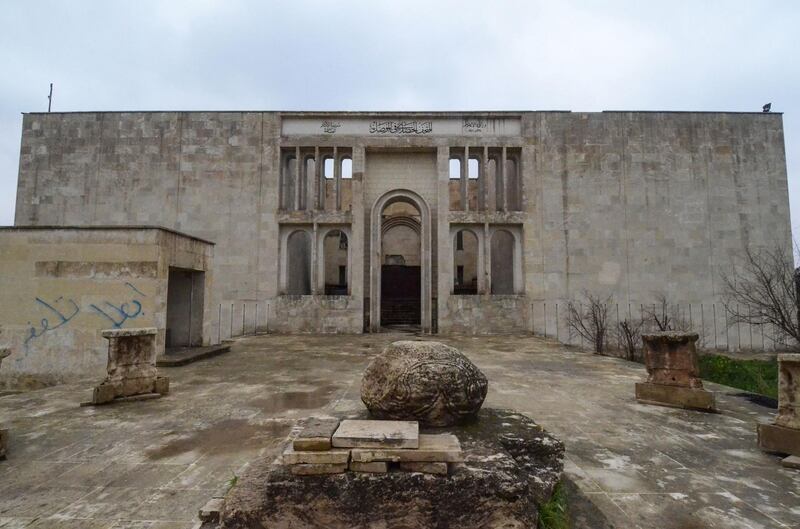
(396,55)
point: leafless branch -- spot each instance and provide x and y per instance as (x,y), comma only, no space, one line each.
(589,319)
(762,289)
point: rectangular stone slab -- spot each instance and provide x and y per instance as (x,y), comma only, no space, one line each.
(376,434)
(675,396)
(294,457)
(444,448)
(316,434)
(425,468)
(316,470)
(376,467)
(791,462)
(774,438)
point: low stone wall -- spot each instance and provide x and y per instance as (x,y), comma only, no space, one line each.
(316,314)
(485,315)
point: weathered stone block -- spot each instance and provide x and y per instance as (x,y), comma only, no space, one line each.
(209,513)
(310,469)
(425,468)
(161,386)
(367,434)
(513,467)
(3,443)
(671,359)
(779,439)
(430,382)
(788,391)
(432,448)
(791,462)
(131,366)
(316,434)
(675,396)
(376,467)
(294,457)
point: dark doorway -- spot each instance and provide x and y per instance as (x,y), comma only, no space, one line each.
(401,272)
(185,290)
(400,295)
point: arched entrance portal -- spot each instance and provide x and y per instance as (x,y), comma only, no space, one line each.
(400,261)
(400,267)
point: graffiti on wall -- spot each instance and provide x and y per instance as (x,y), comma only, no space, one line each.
(60,311)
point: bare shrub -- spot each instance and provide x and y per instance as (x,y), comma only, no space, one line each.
(589,319)
(629,337)
(764,289)
(664,316)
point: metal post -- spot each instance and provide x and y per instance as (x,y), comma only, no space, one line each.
(738,326)
(255,321)
(714,309)
(619,338)
(544,311)
(219,325)
(691,323)
(533,331)
(244,311)
(702,322)
(231,320)
(750,324)
(267,322)
(557,339)
(727,334)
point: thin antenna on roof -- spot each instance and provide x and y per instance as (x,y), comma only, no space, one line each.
(50,98)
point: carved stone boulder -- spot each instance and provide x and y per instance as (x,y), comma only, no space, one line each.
(426,381)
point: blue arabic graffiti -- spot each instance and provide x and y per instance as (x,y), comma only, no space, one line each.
(63,311)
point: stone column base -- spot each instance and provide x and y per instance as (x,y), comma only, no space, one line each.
(675,396)
(108,392)
(3,443)
(774,438)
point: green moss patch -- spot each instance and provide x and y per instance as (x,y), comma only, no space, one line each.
(554,513)
(755,376)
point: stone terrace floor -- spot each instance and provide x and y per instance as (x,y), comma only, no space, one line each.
(153,464)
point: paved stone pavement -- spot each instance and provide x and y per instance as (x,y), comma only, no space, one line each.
(152,464)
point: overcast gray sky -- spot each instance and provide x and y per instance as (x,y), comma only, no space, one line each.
(399,55)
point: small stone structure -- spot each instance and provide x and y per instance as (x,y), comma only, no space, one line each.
(491,473)
(3,432)
(426,381)
(783,436)
(673,372)
(132,372)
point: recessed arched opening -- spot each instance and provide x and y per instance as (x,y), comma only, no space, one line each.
(334,250)
(503,264)
(401,259)
(465,263)
(298,263)
(412,212)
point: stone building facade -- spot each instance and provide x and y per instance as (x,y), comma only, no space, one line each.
(477,222)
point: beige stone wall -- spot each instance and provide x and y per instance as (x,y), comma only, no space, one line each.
(623,203)
(62,287)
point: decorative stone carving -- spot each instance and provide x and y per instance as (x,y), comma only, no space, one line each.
(673,373)
(784,435)
(3,432)
(131,368)
(512,466)
(430,382)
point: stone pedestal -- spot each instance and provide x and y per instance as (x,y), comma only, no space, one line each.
(511,466)
(132,373)
(3,432)
(673,372)
(784,435)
